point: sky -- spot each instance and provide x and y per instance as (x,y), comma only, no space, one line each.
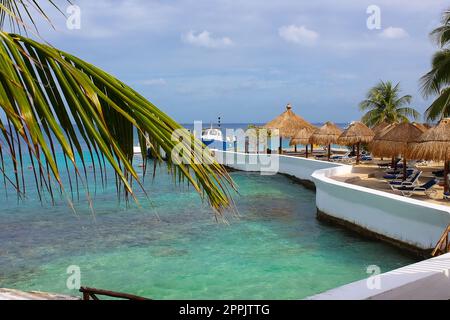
(245,60)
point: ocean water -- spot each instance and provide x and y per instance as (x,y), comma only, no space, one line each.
(172,247)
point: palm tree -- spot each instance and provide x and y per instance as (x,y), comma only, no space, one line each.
(384,103)
(51,97)
(437,81)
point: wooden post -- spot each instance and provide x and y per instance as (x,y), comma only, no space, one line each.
(404,168)
(446,165)
(357,152)
(312,149)
(329,152)
(295,149)
(246,145)
(280,149)
(306,151)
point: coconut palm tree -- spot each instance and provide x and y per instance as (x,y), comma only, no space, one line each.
(49,97)
(437,81)
(383,103)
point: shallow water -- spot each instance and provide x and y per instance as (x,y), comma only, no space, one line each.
(172,247)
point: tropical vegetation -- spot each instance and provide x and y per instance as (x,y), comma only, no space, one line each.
(384,103)
(50,98)
(437,81)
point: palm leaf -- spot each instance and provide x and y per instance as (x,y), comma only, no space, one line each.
(43,90)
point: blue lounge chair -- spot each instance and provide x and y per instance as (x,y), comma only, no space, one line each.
(411,181)
(394,176)
(389,164)
(425,188)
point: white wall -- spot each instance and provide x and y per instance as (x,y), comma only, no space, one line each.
(429,279)
(406,220)
(300,168)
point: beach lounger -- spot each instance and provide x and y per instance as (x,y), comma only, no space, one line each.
(426,188)
(397,176)
(389,164)
(410,181)
(438,173)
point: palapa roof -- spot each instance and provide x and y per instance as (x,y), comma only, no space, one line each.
(434,144)
(302,136)
(288,123)
(380,127)
(357,132)
(395,139)
(327,134)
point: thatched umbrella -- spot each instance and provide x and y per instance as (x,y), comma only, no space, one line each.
(395,140)
(327,135)
(356,133)
(302,137)
(288,124)
(380,127)
(434,144)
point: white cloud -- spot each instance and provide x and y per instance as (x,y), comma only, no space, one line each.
(205,39)
(154,82)
(298,34)
(394,33)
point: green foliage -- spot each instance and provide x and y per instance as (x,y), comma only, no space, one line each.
(383,103)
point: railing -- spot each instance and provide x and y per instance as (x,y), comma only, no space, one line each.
(443,245)
(92,294)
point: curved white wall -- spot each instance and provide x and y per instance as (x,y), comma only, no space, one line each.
(406,220)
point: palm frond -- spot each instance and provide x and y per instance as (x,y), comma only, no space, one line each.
(18,12)
(46,93)
(439,75)
(440,108)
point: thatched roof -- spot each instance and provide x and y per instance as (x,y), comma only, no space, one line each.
(302,136)
(395,140)
(380,127)
(288,123)
(327,134)
(423,126)
(434,144)
(357,132)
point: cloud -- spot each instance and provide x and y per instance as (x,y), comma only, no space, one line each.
(205,39)
(154,82)
(298,34)
(394,33)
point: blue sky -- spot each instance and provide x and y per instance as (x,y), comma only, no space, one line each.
(245,60)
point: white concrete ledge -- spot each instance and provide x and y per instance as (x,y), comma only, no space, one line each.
(429,279)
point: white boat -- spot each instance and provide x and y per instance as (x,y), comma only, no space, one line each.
(213,137)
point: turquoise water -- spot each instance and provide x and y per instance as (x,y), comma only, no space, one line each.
(173,248)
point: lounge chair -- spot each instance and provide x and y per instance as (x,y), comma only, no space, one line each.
(389,164)
(396,176)
(425,188)
(410,181)
(438,173)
